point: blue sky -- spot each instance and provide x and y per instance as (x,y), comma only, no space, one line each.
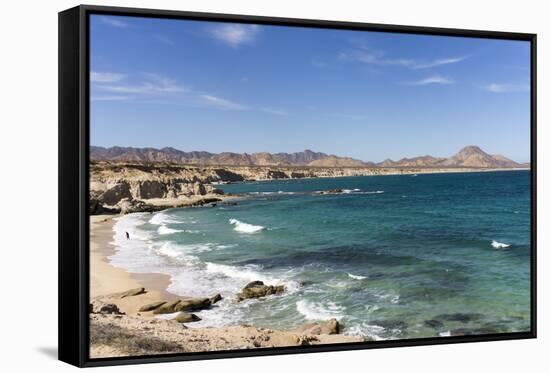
(249,88)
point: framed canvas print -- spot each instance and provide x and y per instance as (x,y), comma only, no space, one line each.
(235,186)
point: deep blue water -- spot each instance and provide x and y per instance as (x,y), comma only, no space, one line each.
(383,258)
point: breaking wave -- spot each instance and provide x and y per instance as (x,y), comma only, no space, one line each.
(245,227)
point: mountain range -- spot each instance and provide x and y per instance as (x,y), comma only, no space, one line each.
(468,157)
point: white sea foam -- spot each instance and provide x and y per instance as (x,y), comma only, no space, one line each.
(499,245)
(320,311)
(356,277)
(161,218)
(246,273)
(445,334)
(245,227)
(163,229)
(366,330)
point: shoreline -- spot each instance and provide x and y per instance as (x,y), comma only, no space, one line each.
(409,172)
(122,330)
(106,279)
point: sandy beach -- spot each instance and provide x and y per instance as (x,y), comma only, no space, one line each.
(118,328)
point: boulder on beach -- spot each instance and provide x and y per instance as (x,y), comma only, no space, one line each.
(151,306)
(331,326)
(167,307)
(257,289)
(131,293)
(187,317)
(192,304)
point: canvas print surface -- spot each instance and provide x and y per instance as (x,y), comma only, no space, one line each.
(257,186)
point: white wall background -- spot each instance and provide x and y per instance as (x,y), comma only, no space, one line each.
(28,187)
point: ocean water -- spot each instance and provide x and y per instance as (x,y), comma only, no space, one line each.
(392,257)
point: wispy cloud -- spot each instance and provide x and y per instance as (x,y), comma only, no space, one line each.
(367,55)
(105,77)
(150,84)
(222,103)
(435,79)
(438,62)
(112,21)
(235,35)
(506,87)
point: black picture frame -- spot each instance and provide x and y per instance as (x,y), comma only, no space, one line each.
(74,189)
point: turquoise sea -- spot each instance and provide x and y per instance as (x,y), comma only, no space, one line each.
(391,257)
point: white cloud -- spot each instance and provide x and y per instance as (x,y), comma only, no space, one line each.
(377,57)
(104,77)
(235,35)
(438,62)
(223,103)
(435,79)
(506,88)
(115,22)
(153,83)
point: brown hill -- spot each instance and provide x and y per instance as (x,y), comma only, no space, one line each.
(467,157)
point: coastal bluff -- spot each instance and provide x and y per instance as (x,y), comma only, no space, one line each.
(124,187)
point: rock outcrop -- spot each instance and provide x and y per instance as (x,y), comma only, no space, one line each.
(331,326)
(102,307)
(184,317)
(183,305)
(257,289)
(151,306)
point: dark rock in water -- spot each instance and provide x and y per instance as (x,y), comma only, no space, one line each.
(306,283)
(167,308)
(462,331)
(205,201)
(391,324)
(131,292)
(192,304)
(151,306)
(330,191)
(253,284)
(433,324)
(229,203)
(257,289)
(216,298)
(460,317)
(495,327)
(187,317)
(332,326)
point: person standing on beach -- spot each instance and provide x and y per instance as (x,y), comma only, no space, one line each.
(127,235)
